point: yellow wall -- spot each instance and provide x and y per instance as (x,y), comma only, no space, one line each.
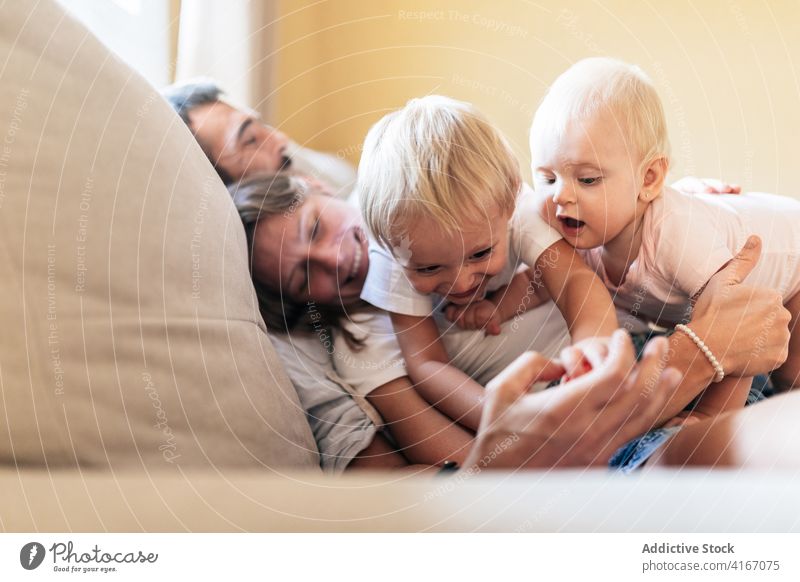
(727,71)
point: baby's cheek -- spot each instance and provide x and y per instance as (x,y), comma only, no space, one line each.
(497,264)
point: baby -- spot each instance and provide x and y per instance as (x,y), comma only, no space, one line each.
(453,227)
(600,158)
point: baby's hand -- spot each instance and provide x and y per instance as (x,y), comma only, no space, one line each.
(478,315)
(692,185)
(584,356)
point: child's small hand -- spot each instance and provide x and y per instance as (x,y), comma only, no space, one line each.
(478,315)
(584,356)
(692,185)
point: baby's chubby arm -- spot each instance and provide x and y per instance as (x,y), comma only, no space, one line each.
(579,294)
(577,291)
(444,386)
(525,291)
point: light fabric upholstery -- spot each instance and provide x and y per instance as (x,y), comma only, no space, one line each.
(129,333)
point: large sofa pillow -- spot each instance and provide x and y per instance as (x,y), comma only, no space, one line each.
(130,330)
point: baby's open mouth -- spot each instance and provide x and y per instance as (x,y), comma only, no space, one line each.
(571,223)
(466,294)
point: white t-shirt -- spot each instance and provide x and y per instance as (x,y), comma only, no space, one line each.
(387,286)
(686,238)
(482,357)
(343,422)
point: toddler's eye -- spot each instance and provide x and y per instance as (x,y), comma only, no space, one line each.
(588,181)
(314,230)
(429,270)
(482,254)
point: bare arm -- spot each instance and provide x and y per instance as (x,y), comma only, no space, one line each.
(422,433)
(581,297)
(736,439)
(442,385)
(747,329)
(523,292)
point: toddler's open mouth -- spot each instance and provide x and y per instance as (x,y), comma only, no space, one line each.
(466,295)
(571,225)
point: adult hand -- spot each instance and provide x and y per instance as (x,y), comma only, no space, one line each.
(692,185)
(583,356)
(580,423)
(746,327)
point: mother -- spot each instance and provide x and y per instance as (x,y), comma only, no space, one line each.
(312,255)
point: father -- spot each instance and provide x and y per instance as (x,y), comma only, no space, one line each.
(239,144)
(586,420)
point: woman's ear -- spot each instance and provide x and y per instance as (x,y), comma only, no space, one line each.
(655,173)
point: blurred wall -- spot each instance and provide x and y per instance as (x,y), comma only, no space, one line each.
(727,71)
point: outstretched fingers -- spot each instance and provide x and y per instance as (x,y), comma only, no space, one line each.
(514,382)
(576,405)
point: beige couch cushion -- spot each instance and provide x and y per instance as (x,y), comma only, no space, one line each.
(130,334)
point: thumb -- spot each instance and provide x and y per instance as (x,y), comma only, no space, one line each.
(740,266)
(572,359)
(529,368)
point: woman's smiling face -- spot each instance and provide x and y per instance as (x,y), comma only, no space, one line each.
(316,251)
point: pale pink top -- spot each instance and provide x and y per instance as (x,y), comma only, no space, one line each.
(686,238)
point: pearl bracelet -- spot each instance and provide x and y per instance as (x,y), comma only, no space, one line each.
(720,372)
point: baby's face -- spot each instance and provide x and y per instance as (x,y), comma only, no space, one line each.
(590,177)
(456,266)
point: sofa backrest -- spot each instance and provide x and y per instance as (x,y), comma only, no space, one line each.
(130,330)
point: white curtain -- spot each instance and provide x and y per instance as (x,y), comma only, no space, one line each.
(230,42)
(139,31)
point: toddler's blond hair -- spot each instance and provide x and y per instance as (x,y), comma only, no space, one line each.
(604,85)
(435,157)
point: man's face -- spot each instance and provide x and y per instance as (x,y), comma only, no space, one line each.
(237,141)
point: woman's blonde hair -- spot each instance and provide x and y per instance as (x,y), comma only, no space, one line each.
(604,85)
(436,157)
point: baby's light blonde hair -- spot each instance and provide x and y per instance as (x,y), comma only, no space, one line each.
(602,85)
(438,158)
